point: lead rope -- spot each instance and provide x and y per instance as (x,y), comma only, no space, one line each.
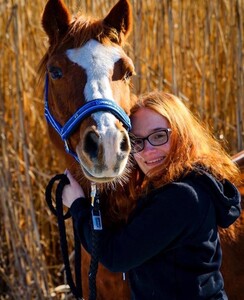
(76,289)
(96,230)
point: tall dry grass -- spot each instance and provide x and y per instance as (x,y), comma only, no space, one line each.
(191,48)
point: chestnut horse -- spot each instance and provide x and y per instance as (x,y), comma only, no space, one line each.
(87,84)
(232,241)
(86,97)
(87,101)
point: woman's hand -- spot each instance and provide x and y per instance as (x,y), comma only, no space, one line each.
(71,191)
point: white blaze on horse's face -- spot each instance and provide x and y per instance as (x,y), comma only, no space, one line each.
(98,62)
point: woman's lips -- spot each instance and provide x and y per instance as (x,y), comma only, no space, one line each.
(154,161)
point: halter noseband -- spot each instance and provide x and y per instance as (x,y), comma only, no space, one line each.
(87,109)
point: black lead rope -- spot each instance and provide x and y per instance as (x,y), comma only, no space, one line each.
(96,230)
(76,289)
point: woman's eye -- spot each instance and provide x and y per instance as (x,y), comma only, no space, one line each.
(55,72)
(159,136)
(137,142)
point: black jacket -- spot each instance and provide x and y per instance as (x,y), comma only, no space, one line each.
(170,248)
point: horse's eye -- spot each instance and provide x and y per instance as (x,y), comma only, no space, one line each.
(128,75)
(55,72)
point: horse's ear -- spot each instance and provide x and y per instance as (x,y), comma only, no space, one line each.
(55,19)
(120,18)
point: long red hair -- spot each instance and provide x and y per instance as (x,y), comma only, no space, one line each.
(192,144)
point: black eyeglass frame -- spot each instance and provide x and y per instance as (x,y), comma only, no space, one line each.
(133,138)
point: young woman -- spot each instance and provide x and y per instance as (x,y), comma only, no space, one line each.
(181,186)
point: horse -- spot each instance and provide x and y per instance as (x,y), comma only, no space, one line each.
(232,242)
(87,100)
(86,64)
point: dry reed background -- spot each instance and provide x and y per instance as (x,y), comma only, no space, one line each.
(191,48)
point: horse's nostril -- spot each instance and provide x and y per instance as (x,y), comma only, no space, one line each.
(124,145)
(91,144)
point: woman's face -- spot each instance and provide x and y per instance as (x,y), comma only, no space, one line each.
(145,122)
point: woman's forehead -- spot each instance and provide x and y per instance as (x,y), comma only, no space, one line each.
(146,121)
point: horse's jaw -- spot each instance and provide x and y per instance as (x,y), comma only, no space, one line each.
(109,182)
(95,179)
(101,174)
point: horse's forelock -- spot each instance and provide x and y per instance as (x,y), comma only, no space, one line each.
(84,29)
(81,30)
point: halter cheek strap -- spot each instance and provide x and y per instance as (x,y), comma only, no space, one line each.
(86,110)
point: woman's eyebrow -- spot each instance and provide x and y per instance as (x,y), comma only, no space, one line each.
(150,132)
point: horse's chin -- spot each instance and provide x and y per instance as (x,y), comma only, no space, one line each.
(100,180)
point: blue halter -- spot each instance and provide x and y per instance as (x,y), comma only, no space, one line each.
(83,112)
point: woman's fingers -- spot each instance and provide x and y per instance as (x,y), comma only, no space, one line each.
(71,191)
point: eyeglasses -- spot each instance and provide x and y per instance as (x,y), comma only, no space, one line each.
(157,138)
